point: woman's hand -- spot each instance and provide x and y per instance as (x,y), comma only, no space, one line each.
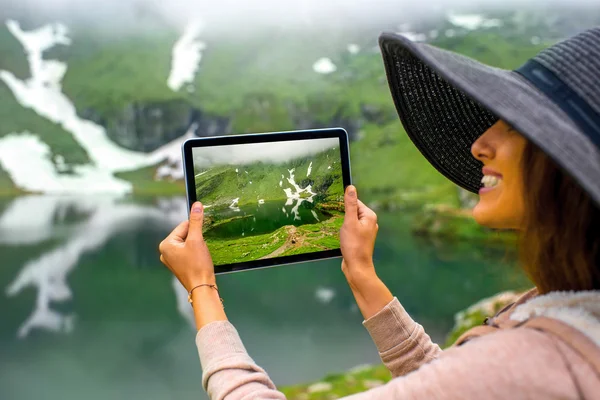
(357,241)
(357,236)
(185,252)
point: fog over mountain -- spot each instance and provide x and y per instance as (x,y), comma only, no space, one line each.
(274,152)
(230,16)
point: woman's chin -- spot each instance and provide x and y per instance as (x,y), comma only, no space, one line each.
(501,214)
(486,217)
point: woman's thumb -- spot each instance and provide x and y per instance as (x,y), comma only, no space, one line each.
(351,203)
(196,220)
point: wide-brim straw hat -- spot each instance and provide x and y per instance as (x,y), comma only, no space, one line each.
(446,101)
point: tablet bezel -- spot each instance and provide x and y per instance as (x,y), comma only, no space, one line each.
(190,184)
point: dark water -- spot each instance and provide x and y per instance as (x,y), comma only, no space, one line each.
(88,312)
(256,218)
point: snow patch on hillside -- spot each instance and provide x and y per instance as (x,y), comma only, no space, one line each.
(234,204)
(473,21)
(315,215)
(294,194)
(27,160)
(353,48)
(42,93)
(414,36)
(324,66)
(186,54)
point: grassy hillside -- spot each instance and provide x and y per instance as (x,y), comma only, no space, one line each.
(261,83)
(219,185)
(14,118)
(285,241)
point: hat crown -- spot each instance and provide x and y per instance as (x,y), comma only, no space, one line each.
(576,61)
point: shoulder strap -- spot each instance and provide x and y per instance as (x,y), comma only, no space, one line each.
(499,321)
(483,330)
(473,333)
(574,338)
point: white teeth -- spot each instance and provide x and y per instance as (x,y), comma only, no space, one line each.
(489,181)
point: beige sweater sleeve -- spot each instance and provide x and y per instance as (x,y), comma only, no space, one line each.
(516,363)
(403,344)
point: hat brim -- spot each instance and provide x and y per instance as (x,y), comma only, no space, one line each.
(446,101)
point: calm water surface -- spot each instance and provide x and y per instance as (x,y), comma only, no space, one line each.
(89,312)
(259,218)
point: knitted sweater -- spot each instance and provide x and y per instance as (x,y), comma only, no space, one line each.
(513,363)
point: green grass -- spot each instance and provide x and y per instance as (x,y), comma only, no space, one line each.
(17,61)
(108,75)
(7,187)
(386,164)
(452,225)
(234,250)
(491,49)
(144,183)
(343,384)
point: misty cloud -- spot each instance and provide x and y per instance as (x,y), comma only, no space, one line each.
(235,15)
(274,152)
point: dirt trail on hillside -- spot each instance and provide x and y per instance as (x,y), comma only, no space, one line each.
(293,240)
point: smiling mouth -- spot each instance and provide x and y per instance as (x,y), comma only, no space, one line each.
(490,181)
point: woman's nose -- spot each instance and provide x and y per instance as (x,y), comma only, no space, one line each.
(482,148)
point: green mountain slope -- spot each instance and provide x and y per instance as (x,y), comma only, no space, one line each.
(14,118)
(257,83)
(219,185)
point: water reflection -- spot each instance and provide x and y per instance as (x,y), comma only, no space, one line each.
(86,224)
(89,311)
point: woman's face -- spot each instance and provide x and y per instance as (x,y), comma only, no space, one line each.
(501,204)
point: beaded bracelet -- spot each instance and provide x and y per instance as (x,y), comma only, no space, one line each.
(204,284)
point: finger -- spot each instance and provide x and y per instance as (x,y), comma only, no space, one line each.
(351,203)
(166,264)
(179,234)
(365,212)
(196,220)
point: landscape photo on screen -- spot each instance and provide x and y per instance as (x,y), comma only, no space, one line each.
(265,200)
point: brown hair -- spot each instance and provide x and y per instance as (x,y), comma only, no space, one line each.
(560,241)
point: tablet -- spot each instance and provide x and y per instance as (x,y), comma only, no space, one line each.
(271,198)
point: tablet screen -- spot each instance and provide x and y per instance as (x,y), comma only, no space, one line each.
(272,199)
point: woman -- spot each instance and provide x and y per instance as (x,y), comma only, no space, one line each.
(529,142)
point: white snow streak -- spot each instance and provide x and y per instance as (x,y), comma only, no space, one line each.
(295,195)
(186,54)
(473,21)
(43,94)
(324,66)
(353,48)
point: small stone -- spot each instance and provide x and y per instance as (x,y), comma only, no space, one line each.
(320,387)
